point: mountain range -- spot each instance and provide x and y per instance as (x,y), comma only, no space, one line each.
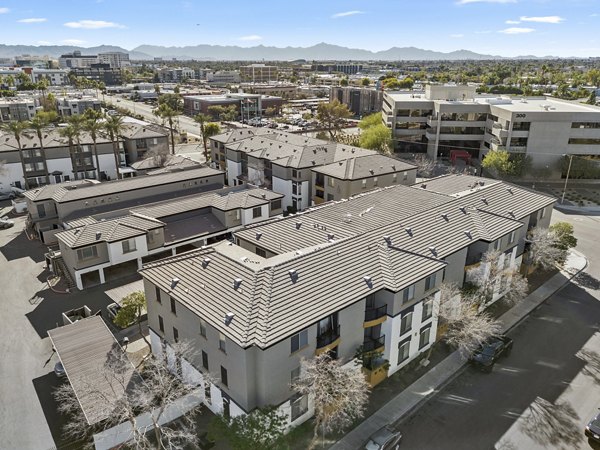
(319,52)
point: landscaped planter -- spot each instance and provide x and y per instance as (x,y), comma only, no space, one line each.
(377,375)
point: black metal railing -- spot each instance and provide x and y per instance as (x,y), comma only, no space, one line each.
(328,337)
(371,344)
(375,313)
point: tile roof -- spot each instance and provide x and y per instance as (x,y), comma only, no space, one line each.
(50,138)
(364,167)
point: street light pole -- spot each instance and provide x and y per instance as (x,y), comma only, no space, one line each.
(562,200)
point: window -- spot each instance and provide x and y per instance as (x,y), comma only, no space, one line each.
(427,309)
(511,237)
(276,204)
(204,360)
(173,306)
(364,184)
(497,245)
(296,188)
(161,324)
(261,252)
(299,341)
(394,177)
(430,282)
(424,337)
(405,176)
(41,210)
(330,181)
(406,323)
(175,334)
(374,181)
(157,294)
(128,246)
(222,343)
(87,253)
(403,351)
(299,406)
(408,294)
(256,212)
(295,375)
(542,213)
(296,173)
(224,379)
(202,327)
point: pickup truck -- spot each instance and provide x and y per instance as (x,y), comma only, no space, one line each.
(489,352)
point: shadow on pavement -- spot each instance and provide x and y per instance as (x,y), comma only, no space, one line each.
(21,247)
(553,424)
(587,281)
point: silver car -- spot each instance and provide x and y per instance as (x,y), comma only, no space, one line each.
(384,439)
(6,223)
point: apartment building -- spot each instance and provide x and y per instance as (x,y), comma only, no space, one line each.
(74,106)
(17,109)
(447,117)
(175,75)
(56,77)
(283,90)
(98,248)
(76,60)
(362,273)
(248,105)
(99,72)
(347,68)
(142,139)
(50,207)
(361,101)
(258,73)
(116,60)
(289,164)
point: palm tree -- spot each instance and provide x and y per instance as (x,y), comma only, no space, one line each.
(206,130)
(38,124)
(94,127)
(71,133)
(165,112)
(17,128)
(113,127)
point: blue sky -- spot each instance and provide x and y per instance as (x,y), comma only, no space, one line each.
(504,27)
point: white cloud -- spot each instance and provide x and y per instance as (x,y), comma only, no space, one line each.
(594,15)
(33,20)
(543,19)
(72,41)
(512,22)
(252,37)
(4,10)
(466,2)
(44,43)
(93,24)
(517,30)
(346,14)
(457,35)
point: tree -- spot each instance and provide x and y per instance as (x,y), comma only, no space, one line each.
(113,127)
(332,116)
(223,113)
(370,121)
(17,129)
(425,165)
(174,101)
(563,235)
(132,308)
(71,133)
(207,129)
(339,393)
(165,112)
(497,161)
(377,137)
(344,82)
(391,84)
(406,83)
(549,248)
(592,98)
(94,127)
(365,82)
(151,391)
(262,429)
(38,124)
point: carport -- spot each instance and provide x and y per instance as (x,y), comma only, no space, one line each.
(120,270)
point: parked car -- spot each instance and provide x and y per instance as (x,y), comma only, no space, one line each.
(592,429)
(6,223)
(486,356)
(59,370)
(113,310)
(384,439)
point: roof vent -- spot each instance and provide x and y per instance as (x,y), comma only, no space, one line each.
(445,217)
(468,234)
(481,183)
(228,318)
(174,282)
(424,186)
(393,166)
(237,283)
(462,209)
(258,235)
(77,230)
(409,231)
(293,275)
(298,252)
(433,250)
(509,189)
(205,262)
(484,200)
(330,236)
(98,235)
(298,225)
(388,240)
(511,213)
(368,280)
(371,171)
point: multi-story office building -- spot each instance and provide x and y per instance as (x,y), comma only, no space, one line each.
(247,105)
(361,101)
(17,109)
(175,75)
(223,77)
(56,77)
(347,68)
(116,60)
(444,118)
(306,170)
(100,72)
(70,106)
(76,60)
(363,273)
(38,62)
(258,73)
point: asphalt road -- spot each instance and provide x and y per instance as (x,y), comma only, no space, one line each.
(476,409)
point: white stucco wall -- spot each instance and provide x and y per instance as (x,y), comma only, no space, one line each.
(247,215)
(233,170)
(284,187)
(11,172)
(116,255)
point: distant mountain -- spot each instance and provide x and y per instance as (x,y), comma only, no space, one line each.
(55,51)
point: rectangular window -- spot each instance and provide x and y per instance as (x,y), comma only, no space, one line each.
(256,212)
(408,294)
(276,204)
(161,324)
(87,253)
(330,181)
(299,406)
(403,351)
(430,282)
(41,210)
(374,181)
(128,246)
(542,213)
(222,343)
(203,327)
(406,323)
(295,375)
(299,340)
(427,309)
(157,294)
(424,337)
(224,379)
(405,176)
(497,245)
(330,197)
(364,184)
(394,177)
(173,306)
(175,334)
(204,360)
(511,237)
(261,252)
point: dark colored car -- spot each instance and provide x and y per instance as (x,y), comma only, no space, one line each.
(384,439)
(592,430)
(486,356)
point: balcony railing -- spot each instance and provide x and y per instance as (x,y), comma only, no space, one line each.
(328,337)
(371,344)
(375,313)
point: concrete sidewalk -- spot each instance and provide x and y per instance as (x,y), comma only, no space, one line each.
(434,380)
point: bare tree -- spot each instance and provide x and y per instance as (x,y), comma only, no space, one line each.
(543,249)
(158,158)
(425,165)
(553,425)
(131,394)
(339,393)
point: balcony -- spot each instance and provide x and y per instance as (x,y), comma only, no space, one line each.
(328,340)
(375,316)
(374,344)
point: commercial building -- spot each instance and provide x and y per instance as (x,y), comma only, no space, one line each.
(247,105)
(223,77)
(445,117)
(98,248)
(361,101)
(100,72)
(347,68)
(364,273)
(306,170)
(56,77)
(116,60)
(175,75)
(258,73)
(76,60)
